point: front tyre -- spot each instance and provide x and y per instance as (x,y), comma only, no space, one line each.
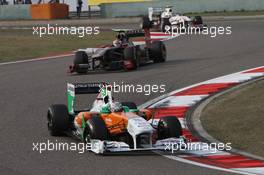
(157,52)
(169,127)
(96,128)
(79,59)
(58,119)
(197,20)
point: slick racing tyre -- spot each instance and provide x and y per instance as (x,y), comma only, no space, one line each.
(164,22)
(58,119)
(168,127)
(130,105)
(132,53)
(197,20)
(80,58)
(96,128)
(145,23)
(157,52)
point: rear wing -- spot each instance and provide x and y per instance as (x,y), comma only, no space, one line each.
(145,33)
(74,89)
(130,32)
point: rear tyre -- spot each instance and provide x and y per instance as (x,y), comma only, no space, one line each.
(145,23)
(164,22)
(96,128)
(80,58)
(157,52)
(58,119)
(169,127)
(130,105)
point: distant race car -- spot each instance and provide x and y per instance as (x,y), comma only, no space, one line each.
(111,126)
(163,19)
(122,54)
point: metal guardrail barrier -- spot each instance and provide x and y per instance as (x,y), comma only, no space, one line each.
(86,14)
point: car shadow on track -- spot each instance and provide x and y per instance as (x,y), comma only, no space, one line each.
(171,63)
(147,67)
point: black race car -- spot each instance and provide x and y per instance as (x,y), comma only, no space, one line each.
(122,54)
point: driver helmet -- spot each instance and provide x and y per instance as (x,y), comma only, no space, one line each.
(121,39)
(120,36)
(106,99)
(168,10)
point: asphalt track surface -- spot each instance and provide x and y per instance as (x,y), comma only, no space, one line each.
(27,89)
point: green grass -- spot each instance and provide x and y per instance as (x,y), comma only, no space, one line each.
(238,117)
(228,13)
(22,44)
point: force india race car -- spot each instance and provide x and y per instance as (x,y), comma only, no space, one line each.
(165,20)
(110,127)
(122,54)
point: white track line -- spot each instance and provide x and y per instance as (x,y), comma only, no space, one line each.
(36,59)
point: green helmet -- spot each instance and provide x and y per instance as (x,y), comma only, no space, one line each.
(105,109)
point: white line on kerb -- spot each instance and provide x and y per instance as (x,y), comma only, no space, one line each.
(177,158)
